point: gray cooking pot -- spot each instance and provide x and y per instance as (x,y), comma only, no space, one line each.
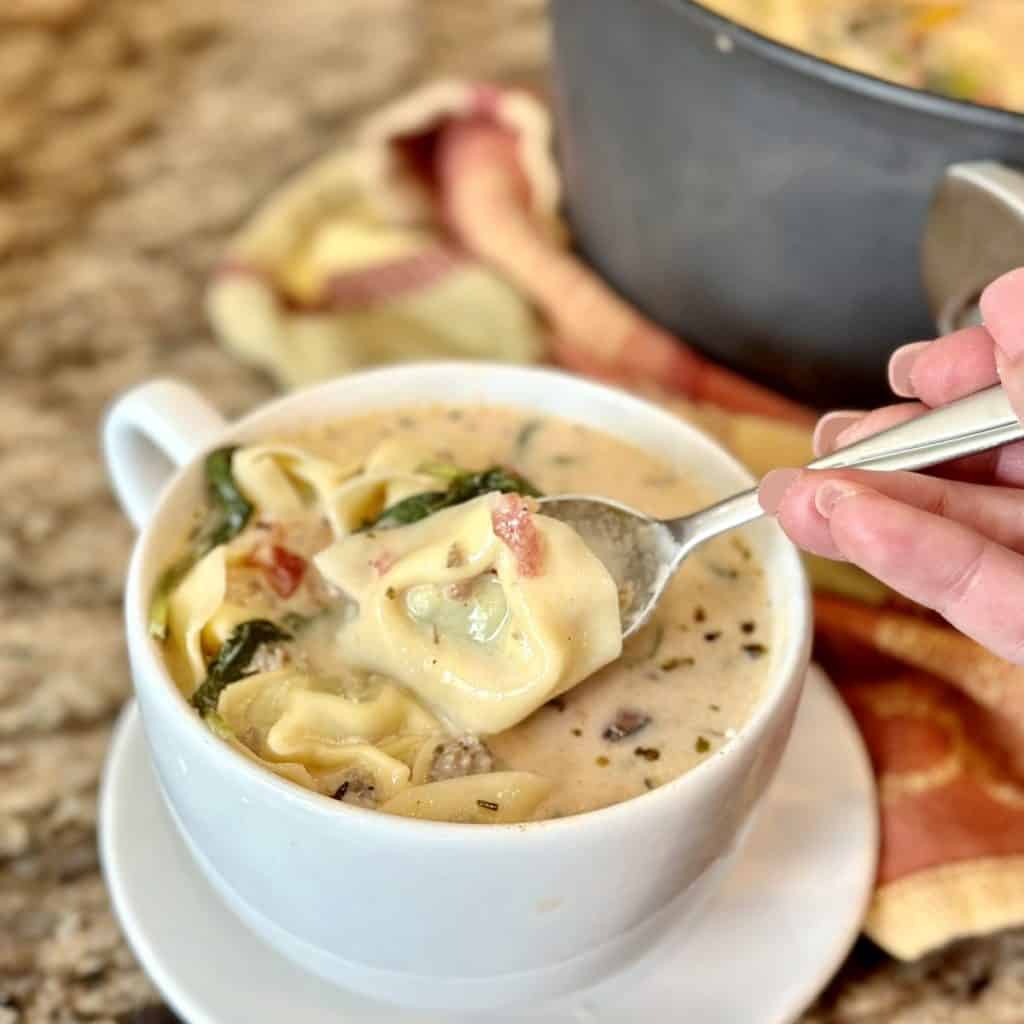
(795,220)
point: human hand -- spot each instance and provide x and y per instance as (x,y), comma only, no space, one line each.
(952,541)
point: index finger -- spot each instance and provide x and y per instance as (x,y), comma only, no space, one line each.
(946,369)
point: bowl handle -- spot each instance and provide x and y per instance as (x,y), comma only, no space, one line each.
(150,432)
(974,233)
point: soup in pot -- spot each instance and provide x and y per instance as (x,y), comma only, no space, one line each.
(965,49)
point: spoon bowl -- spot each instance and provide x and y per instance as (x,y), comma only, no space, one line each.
(640,552)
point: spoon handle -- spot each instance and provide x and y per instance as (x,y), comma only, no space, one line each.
(974,424)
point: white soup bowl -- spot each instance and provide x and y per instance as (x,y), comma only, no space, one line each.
(426,913)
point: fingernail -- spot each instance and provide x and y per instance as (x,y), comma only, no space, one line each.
(901,365)
(830,426)
(847,436)
(1001,303)
(773,488)
(831,492)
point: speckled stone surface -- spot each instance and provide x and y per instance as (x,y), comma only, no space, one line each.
(134,135)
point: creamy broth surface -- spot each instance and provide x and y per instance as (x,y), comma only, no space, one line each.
(681,688)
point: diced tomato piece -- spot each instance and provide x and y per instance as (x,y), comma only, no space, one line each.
(285,570)
(513,524)
(383,562)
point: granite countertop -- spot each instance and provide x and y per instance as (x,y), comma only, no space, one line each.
(134,135)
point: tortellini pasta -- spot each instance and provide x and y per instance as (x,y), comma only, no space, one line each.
(286,716)
(191,606)
(311,731)
(495,798)
(392,473)
(291,771)
(283,481)
(201,617)
(446,609)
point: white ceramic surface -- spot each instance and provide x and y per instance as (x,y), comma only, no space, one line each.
(427,913)
(801,884)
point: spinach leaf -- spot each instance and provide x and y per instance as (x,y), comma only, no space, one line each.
(233,659)
(472,485)
(231,508)
(462,487)
(229,513)
(410,510)
(446,471)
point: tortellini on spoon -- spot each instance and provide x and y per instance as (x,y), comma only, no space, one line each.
(485,611)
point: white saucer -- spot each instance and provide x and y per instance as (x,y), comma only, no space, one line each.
(768,943)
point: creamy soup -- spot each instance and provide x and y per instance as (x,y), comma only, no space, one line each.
(966,49)
(378,609)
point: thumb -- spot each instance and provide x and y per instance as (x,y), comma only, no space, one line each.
(1002,309)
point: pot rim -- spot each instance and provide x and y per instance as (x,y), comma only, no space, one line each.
(805,63)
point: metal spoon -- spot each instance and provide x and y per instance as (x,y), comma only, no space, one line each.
(643,554)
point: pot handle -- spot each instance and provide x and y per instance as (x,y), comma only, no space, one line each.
(150,432)
(974,233)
